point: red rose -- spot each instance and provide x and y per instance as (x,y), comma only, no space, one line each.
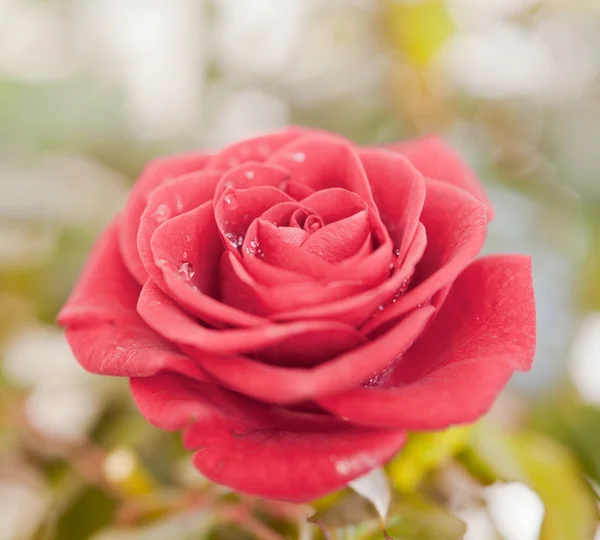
(295,304)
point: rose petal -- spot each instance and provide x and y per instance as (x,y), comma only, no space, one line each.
(241,290)
(399,192)
(154,174)
(262,450)
(452,375)
(171,322)
(456,229)
(436,159)
(340,240)
(237,209)
(287,385)
(355,310)
(103,328)
(322,161)
(185,255)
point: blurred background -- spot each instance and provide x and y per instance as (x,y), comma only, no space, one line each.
(92,89)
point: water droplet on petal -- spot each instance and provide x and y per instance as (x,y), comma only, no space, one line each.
(298,157)
(381,307)
(231,203)
(249,175)
(236,240)
(186,270)
(253,247)
(397,252)
(187,238)
(162,213)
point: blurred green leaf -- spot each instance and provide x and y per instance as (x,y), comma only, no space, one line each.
(422,453)
(413,516)
(181,527)
(90,511)
(550,470)
(351,509)
(573,424)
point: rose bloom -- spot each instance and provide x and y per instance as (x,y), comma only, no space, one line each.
(296,304)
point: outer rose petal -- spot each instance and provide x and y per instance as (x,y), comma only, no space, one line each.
(259,449)
(103,328)
(456,229)
(452,375)
(286,385)
(435,159)
(170,321)
(155,173)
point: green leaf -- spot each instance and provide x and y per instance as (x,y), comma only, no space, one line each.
(550,470)
(575,425)
(351,509)
(424,452)
(90,511)
(413,516)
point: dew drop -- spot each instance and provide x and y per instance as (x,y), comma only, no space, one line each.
(249,175)
(162,213)
(298,157)
(236,240)
(187,238)
(381,307)
(231,203)
(253,248)
(397,252)
(186,270)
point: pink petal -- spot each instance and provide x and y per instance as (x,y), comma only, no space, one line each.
(287,385)
(169,200)
(154,174)
(171,322)
(355,310)
(436,159)
(456,229)
(452,375)
(103,328)
(241,290)
(399,192)
(185,255)
(322,161)
(262,450)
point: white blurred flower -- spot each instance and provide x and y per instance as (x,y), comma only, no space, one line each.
(316,50)
(155,49)
(470,13)
(258,38)
(34,41)
(584,366)
(63,190)
(245,113)
(21,509)
(65,400)
(516,510)
(553,58)
(479,525)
